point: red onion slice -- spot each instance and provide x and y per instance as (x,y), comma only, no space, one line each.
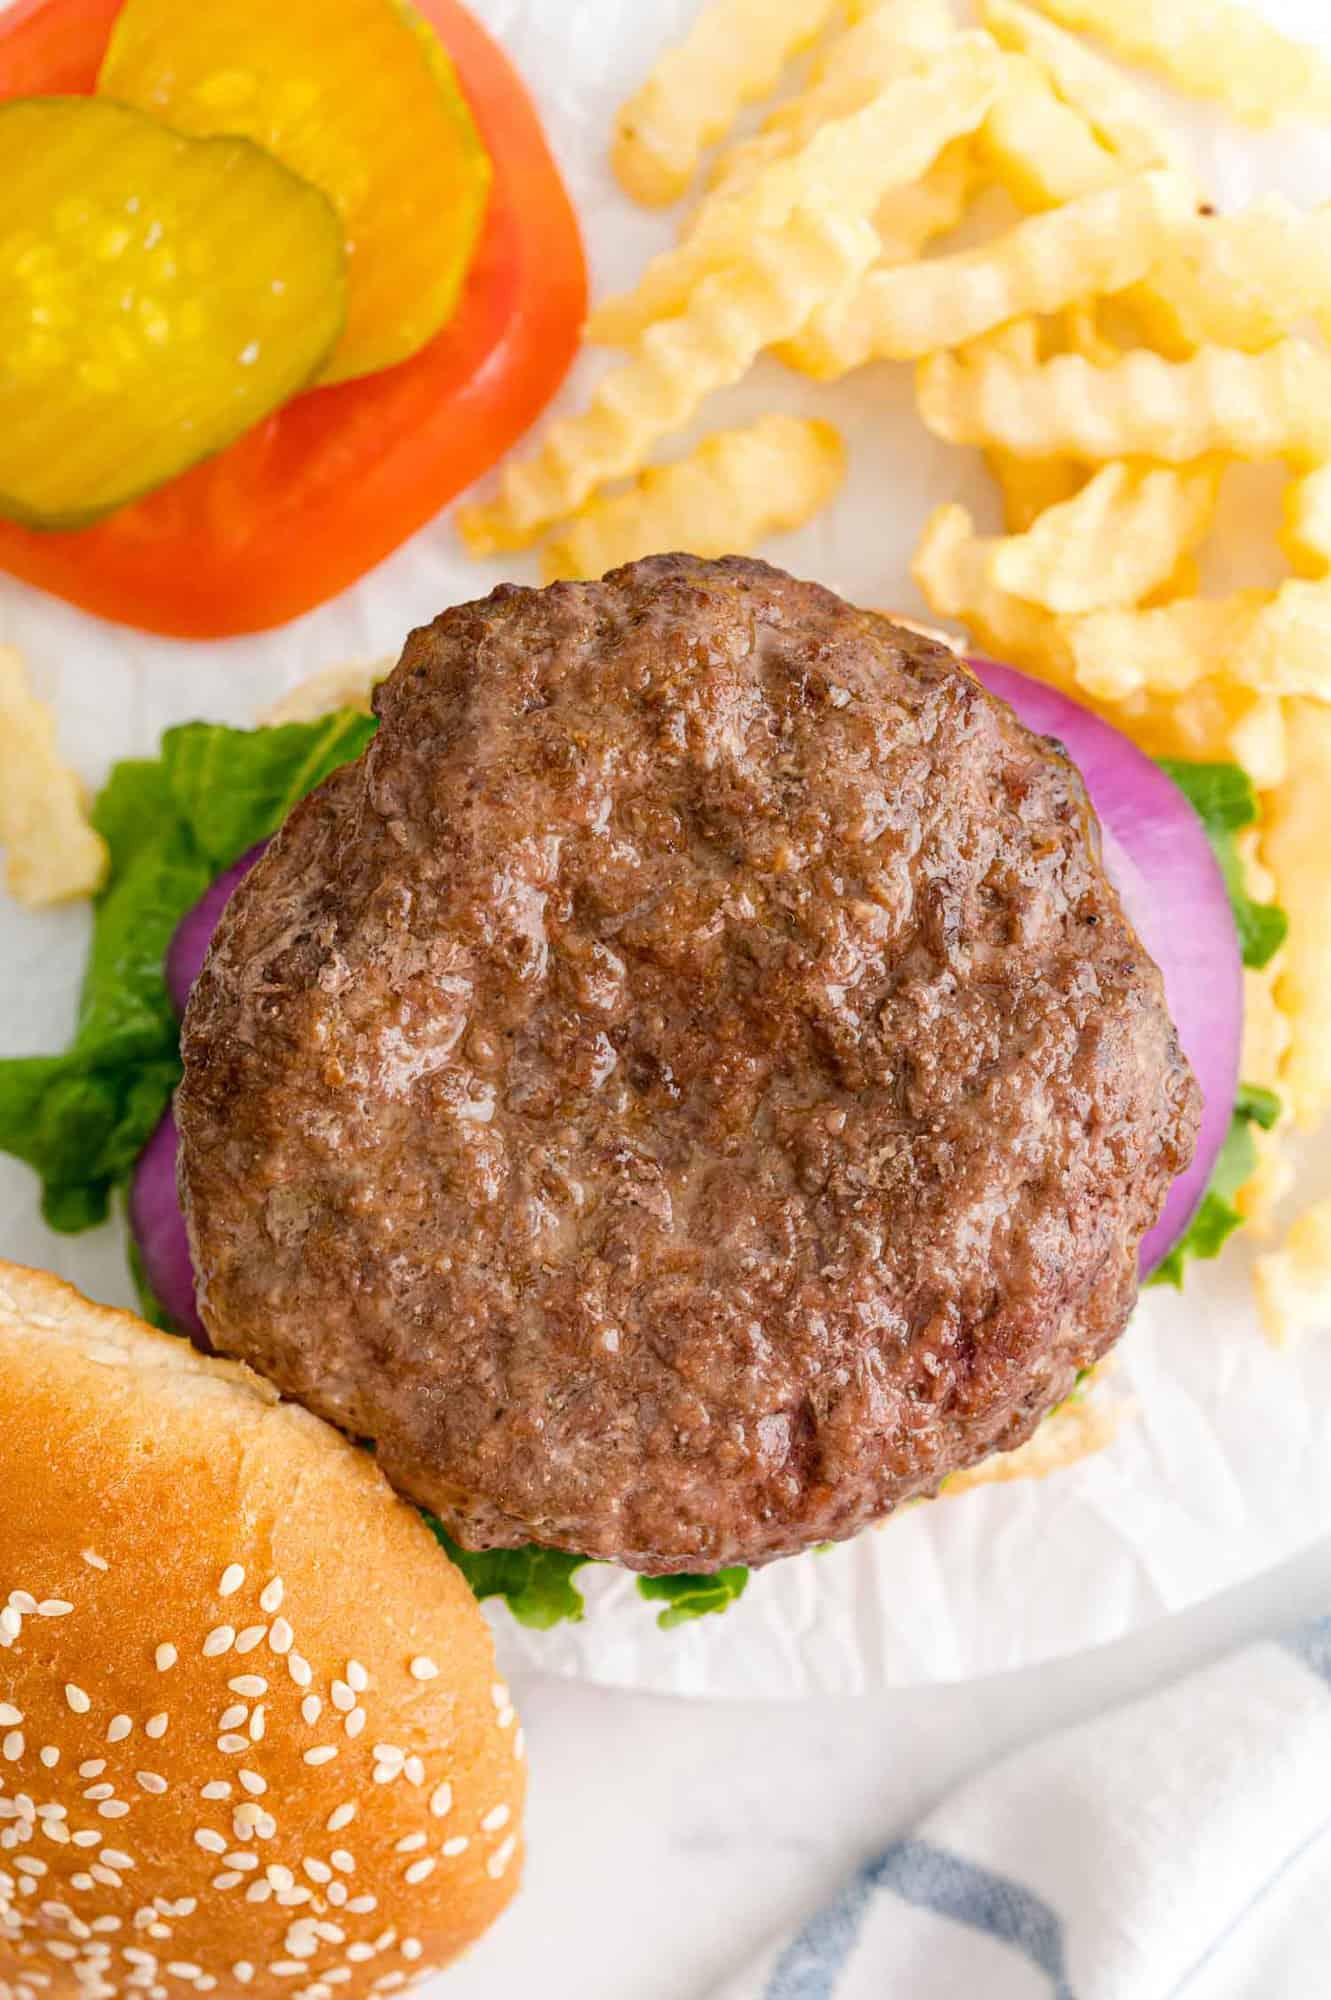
(1156,853)
(1159,859)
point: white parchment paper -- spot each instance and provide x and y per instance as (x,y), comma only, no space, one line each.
(1224,1464)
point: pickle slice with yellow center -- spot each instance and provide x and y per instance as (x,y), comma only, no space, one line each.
(158,296)
(357,96)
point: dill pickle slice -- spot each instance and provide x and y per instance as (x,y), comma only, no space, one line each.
(158,296)
(357,96)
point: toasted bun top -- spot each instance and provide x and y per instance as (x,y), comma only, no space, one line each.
(251,1735)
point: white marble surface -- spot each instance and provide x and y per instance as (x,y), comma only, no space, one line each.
(669,1838)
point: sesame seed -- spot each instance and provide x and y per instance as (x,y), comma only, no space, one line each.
(257,1725)
(77,1699)
(270,1597)
(280,1636)
(150,1781)
(210,1842)
(155,1726)
(82,1881)
(234,1717)
(501,1857)
(354,1723)
(94,1561)
(249,1685)
(220,1640)
(113,1809)
(113,1858)
(322,1753)
(216,1788)
(411,1948)
(253,1782)
(343,1697)
(358,1953)
(520,1745)
(55,1607)
(286,1968)
(299,1669)
(252,1636)
(280,1877)
(58,1949)
(10,1623)
(357,1676)
(441,1799)
(12,1746)
(410,1843)
(243,1971)
(341,1816)
(165,1657)
(505,1717)
(361,1906)
(389,1753)
(182,1969)
(26,1866)
(232,1578)
(245,1818)
(414,1771)
(227,1879)
(244,1862)
(49,1755)
(499,1694)
(384,1774)
(318,1871)
(311,1708)
(93,1768)
(496,1817)
(231,1746)
(423,1668)
(336,1892)
(265,1826)
(457,1845)
(118,1728)
(100,1791)
(344,1863)
(87,1837)
(10,1716)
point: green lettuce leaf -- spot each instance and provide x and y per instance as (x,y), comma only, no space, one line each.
(1224,800)
(536,1583)
(1217,1218)
(689,1597)
(172,823)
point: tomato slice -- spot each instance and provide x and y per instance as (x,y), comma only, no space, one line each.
(328,486)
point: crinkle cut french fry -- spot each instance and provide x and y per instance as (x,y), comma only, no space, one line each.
(1295,841)
(725,498)
(1120,116)
(1253,406)
(1042,150)
(676,364)
(52,854)
(951,568)
(1288,649)
(845,170)
(889,42)
(1030,486)
(1306,534)
(1122,537)
(1099,243)
(1117,654)
(1211,48)
(732,56)
(1241,280)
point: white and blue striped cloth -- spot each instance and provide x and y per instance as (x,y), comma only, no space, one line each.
(1175,1849)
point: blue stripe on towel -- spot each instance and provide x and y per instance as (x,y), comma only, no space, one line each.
(1312,1645)
(932,1879)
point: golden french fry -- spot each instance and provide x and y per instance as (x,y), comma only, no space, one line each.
(1083,334)
(1240,280)
(1294,1282)
(1125,121)
(1306,535)
(1075,1430)
(732,56)
(887,43)
(323,693)
(52,854)
(1030,486)
(1118,654)
(1211,48)
(1122,537)
(1098,243)
(737,488)
(1287,649)
(1042,150)
(1295,842)
(951,567)
(845,170)
(1253,406)
(730,318)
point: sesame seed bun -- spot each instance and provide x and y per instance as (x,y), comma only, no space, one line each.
(251,1736)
